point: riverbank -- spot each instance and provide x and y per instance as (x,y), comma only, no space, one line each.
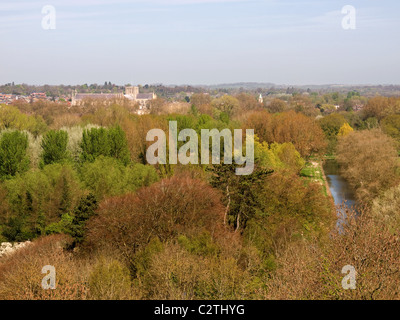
(314,171)
(326,172)
(327,187)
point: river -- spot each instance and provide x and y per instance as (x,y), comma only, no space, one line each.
(341,191)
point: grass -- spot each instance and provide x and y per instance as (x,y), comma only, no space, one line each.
(313,173)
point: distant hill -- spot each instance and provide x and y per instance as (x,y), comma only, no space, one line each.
(244,85)
(368,90)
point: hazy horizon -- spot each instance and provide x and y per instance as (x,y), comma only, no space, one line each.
(265,84)
(200,42)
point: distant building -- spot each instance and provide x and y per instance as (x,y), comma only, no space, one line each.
(131,93)
(78,99)
(38,96)
(260,99)
(10,98)
(3,98)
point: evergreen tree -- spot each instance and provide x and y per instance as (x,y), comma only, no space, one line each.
(84,210)
(65,202)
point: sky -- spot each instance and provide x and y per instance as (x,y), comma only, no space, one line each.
(199,42)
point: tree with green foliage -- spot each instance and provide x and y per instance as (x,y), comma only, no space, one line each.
(241,195)
(288,209)
(118,145)
(331,125)
(15,229)
(277,105)
(391,126)
(54,145)
(40,198)
(12,118)
(13,154)
(277,156)
(109,177)
(370,123)
(105,142)
(84,210)
(288,155)
(227,104)
(94,144)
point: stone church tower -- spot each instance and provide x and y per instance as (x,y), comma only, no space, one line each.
(132,91)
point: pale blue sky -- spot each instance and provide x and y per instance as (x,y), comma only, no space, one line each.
(200,42)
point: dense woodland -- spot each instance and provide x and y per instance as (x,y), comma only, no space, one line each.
(75,182)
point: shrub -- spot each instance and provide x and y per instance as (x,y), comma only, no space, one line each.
(21,277)
(174,273)
(309,270)
(109,280)
(201,244)
(386,208)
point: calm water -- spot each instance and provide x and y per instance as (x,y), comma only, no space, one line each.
(340,189)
